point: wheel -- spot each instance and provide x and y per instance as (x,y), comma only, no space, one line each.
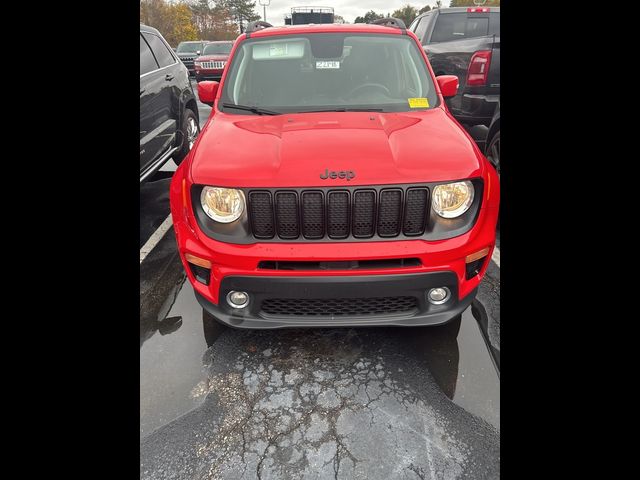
(190,130)
(493,151)
(211,327)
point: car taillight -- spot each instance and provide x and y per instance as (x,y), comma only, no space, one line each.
(478,10)
(479,68)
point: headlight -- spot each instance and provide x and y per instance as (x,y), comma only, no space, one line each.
(223,205)
(453,199)
(197,64)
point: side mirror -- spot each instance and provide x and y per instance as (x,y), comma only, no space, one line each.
(448,85)
(207,92)
(197,52)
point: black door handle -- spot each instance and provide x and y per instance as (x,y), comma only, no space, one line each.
(142,90)
(168,77)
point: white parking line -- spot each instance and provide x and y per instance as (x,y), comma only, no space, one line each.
(155,238)
(496,256)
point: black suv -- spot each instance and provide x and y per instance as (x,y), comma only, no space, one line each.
(465,41)
(188,52)
(169,121)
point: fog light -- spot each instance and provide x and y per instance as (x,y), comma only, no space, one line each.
(439,295)
(237,299)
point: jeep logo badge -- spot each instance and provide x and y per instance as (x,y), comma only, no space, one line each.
(348,174)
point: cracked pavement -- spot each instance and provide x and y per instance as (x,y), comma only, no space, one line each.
(340,403)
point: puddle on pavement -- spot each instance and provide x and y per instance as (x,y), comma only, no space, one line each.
(172,373)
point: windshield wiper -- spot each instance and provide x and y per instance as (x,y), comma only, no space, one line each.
(256,110)
(344,109)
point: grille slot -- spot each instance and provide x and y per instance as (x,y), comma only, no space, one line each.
(213,65)
(287,215)
(336,307)
(364,212)
(338,214)
(261,210)
(390,213)
(415,213)
(312,215)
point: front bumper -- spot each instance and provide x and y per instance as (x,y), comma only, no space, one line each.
(340,287)
(237,267)
(208,75)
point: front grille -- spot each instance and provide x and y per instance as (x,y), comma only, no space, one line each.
(338,213)
(337,307)
(217,65)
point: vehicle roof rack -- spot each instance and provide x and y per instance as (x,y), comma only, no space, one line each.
(391,22)
(256,26)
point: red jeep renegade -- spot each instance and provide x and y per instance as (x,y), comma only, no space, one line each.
(331,186)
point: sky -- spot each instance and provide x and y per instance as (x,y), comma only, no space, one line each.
(348,9)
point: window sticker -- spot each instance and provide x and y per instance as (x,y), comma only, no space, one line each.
(327,64)
(419,102)
(278,50)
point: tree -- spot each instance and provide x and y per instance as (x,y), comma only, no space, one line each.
(173,20)
(469,3)
(214,22)
(338,19)
(368,17)
(407,14)
(426,8)
(243,11)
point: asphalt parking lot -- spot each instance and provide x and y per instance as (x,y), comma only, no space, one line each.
(336,403)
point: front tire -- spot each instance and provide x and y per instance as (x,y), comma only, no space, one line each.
(190,131)
(211,327)
(493,151)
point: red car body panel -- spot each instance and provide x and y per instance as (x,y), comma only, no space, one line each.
(296,148)
(292,150)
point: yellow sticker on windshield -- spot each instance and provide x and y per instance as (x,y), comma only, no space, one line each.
(419,102)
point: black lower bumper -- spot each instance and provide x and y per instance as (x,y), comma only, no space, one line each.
(208,76)
(340,289)
(476,109)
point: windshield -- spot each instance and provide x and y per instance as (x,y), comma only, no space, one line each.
(191,47)
(334,71)
(218,49)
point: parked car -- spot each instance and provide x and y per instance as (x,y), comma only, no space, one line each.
(210,65)
(169,121)
(492,145)
(188,52)
(465,41)
(331,186)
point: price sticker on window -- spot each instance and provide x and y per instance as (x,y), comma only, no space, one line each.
(419,102)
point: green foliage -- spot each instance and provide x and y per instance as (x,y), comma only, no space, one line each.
(368,17)
(242,11)
(407,14)
(469,3)
(426,8)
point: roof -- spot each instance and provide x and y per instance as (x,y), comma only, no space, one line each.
(459,9)
(325,28)
(146,28)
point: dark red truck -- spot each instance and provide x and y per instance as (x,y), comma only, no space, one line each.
(331,186)
(210,65)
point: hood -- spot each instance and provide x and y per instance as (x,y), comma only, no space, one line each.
(212,58)
(294,150)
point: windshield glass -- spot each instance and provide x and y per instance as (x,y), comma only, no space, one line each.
(339,71)
(218,49)
(191,47)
